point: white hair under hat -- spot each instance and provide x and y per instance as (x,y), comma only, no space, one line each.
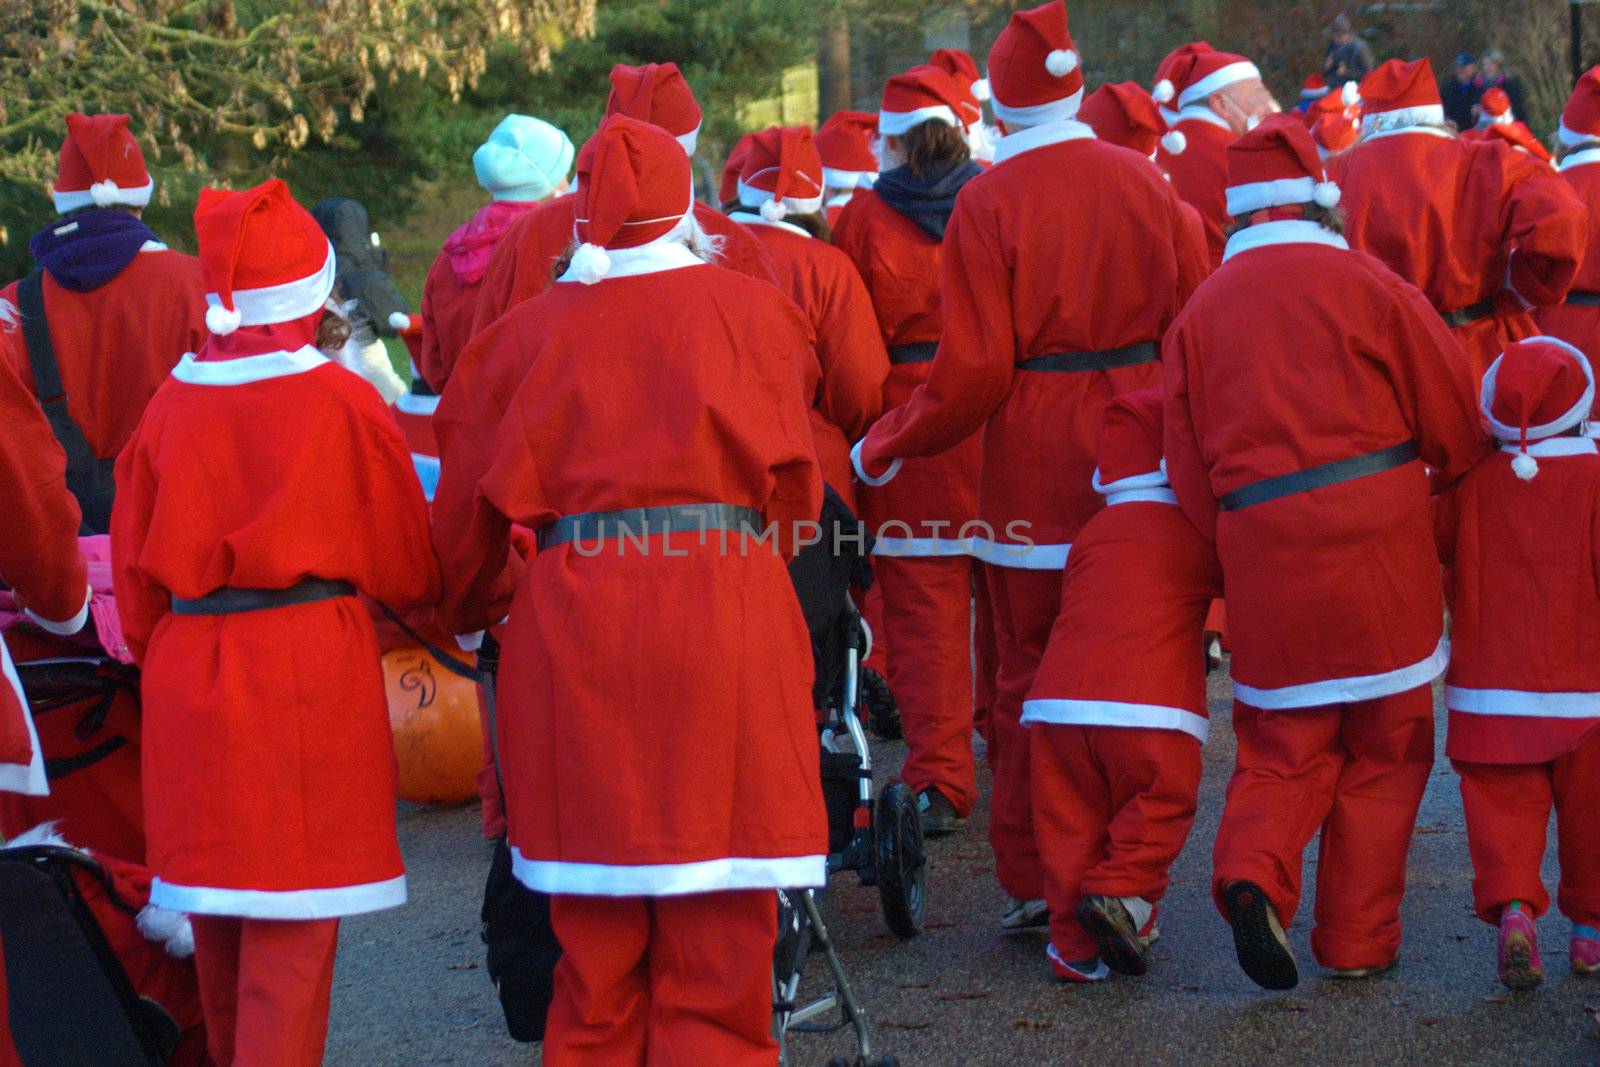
(524,159)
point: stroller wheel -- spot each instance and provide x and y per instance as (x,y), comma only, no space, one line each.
(883,712)
(900,859)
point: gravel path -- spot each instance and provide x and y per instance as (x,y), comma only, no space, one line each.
(410,988)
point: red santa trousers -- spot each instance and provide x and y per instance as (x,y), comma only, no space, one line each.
(1025,604)
(663,980)
(264,987)
(1112,807)
(985,657)
(927,618)
(1355,771)
(1508,813)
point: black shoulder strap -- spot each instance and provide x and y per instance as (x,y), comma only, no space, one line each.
(89,478)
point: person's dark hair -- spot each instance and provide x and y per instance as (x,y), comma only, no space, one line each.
(934,145)
(333,331)
(816,224)
(1563,151)
(1329,218)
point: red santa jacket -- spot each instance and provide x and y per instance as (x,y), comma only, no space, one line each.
(931,501)
(1299,352)
(823,282)
(1200,172)
(450,292)
(39,560)
(523,262)
(1007,297)
(268,761)
(1126,648)
(1467,222)
(116,344)
(1573,322)
(656,730)
(1524,680)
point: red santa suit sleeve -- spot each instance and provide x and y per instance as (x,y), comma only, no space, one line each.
(1576,319)
(447,309)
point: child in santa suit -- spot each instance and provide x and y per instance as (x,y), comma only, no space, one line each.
(1031,351)
(656,731)
(780,200)
(1117,713)
(894,234)
(1523,534)
(1486,232)
(267,486)
(1296,438)
(523,262)
(1576,319)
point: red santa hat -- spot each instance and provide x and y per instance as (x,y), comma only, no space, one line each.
(1403,94)
(1130,455)
(845,144)
(100,165)
(263,257)
(728,188)
(634,186)
(1517,135)
(1538,388)
(1275,165)
(782,175)
(1190,77)
(1347,101)
(656,93)
(1124,114)
(1035,74)
(1313,88)
(1495,106)
(964,69)
(921,94)
(1580,120)
(1164,92)
(1336,132)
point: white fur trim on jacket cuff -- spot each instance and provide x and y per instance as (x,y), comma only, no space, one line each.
(669,879)
(885,478)
(66,628)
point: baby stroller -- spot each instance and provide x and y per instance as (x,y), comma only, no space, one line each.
(880,840)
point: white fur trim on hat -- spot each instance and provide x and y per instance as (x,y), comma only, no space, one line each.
(1421,115)
(1163,91)
(1569,137)
(1280,192)
(1562,423)
(897,123)
(109,195)
(1174,142)
(1061,62)
(758,199)
(690,141)
(1218,79)
(272,303)
(848,179)
(1038,114)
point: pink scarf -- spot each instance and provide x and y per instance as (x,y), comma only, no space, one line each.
(471,245)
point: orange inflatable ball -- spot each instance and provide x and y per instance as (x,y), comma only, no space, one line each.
(438,739)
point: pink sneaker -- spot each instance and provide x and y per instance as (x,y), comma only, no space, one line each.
(1518,955)
(1585,950)
(1089,970)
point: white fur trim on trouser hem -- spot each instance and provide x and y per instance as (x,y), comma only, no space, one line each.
(67,627)
(1520,702)
(1114,713)
(1022,557)
(1347,690)
(330,903)
(29,778)
(669,879)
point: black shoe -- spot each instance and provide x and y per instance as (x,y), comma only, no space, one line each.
(938,815)
(883,712)
(1120,945)
(1258,938)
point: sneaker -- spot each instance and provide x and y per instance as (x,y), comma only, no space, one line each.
(939,818)
(883,712)
(1518,952)
(1585,949)
(1258,939)
(1089,970)
(1117,929)
(1025,914)
(1350,974)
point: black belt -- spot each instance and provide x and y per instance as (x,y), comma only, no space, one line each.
(642,522)
(1107,359)
(1469,314)
(230,601)
(1578,298)
(1342,470)
(916,352)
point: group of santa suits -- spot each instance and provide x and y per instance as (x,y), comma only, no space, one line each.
(659,753)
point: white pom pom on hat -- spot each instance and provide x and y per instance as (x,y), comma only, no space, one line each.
(1163,92)
(222,321)
(980,90)
(1326,194)
(104,194)
(1061,62)
(590,263)
(1350,94)
(773,210)
(1524,466)
(1174,142)
(399,320)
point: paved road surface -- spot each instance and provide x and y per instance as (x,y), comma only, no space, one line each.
(410,989)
